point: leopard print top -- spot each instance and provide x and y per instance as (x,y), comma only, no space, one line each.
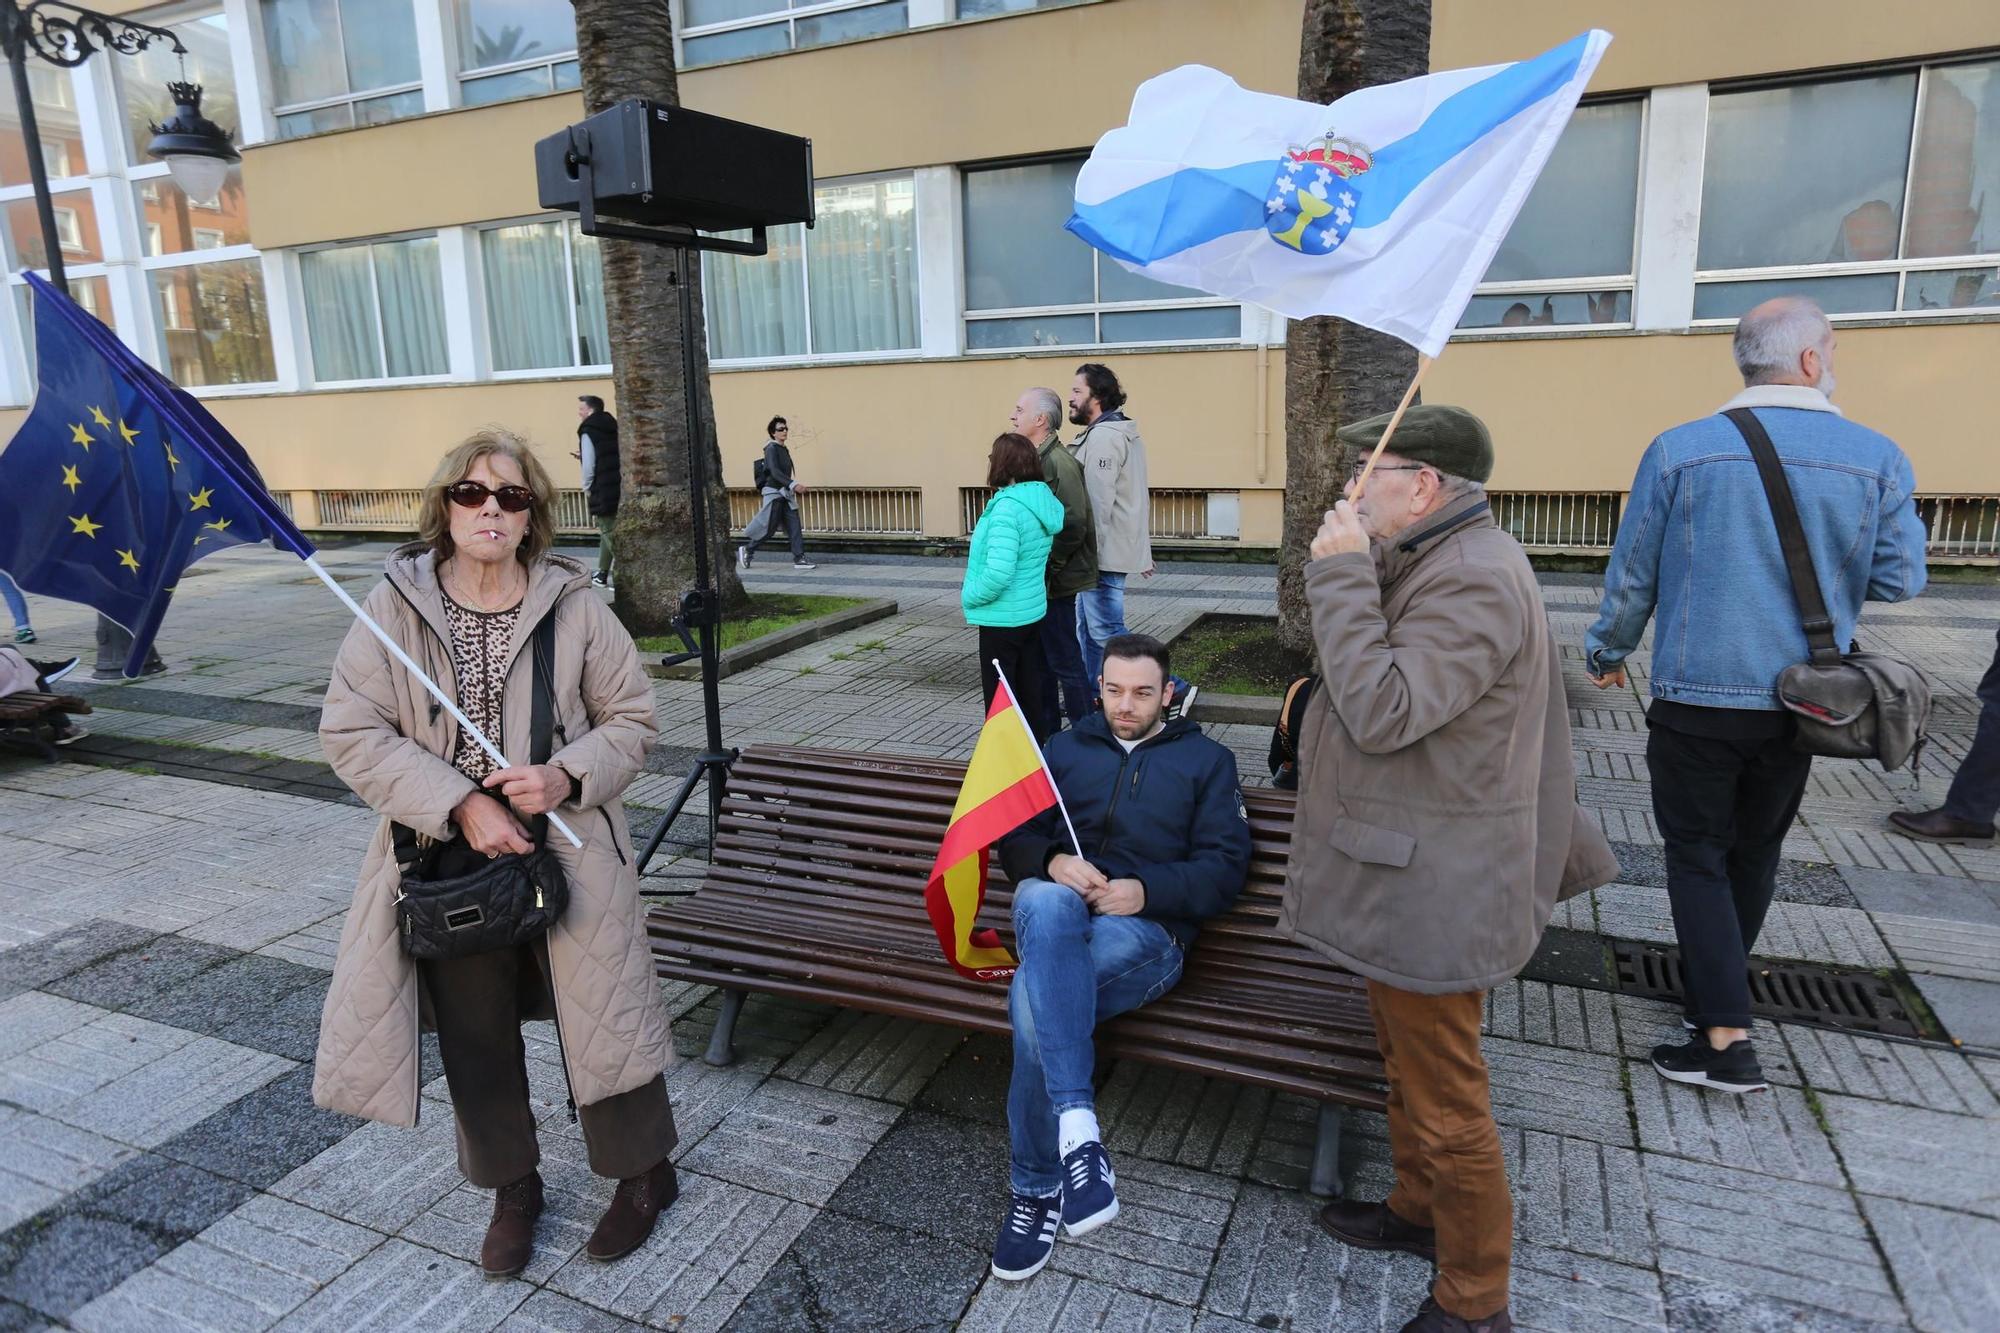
(479,643)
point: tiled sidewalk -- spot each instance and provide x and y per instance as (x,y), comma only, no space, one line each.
(170,908)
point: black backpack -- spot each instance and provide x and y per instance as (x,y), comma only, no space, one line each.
(760,473)
(1285,736)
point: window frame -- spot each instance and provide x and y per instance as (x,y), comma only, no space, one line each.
(461,75)
(1096,308)
(1899,266)
(308,362)
(1628,282)
(485,331)
(815,358)
(277,111)
(787,16)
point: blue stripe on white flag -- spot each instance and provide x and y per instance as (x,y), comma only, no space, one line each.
(1195,205)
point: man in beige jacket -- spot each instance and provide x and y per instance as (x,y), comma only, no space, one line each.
(1437,826)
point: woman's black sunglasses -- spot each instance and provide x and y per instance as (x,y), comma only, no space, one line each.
(473,494)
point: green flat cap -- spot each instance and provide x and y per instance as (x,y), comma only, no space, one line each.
(1450,439)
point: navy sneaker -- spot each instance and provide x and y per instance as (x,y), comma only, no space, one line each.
(1027,1237)
(1090,1195)
(1734,1069)
(1183,701)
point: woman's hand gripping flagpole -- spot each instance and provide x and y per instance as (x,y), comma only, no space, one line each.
(1021,713)
(436,692)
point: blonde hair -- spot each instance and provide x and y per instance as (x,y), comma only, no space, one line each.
(434,509)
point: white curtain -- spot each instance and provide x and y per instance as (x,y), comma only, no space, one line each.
(411,288)
(340,312)
(593,336)
(862,254)
(527,299)
(757,307)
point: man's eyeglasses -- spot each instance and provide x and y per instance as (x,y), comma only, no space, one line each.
(472,494)
(1354,473)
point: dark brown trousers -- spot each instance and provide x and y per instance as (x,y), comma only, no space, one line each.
(477,1003)
(1449,1172)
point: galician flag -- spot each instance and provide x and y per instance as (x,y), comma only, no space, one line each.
(1384,208)
(1006,785)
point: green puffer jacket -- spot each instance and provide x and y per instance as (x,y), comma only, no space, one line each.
(1005,583)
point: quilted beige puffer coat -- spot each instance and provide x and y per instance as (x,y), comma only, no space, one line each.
(389,741)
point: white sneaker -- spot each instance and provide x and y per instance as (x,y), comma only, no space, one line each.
(804,564)
(743,557)
(71,734)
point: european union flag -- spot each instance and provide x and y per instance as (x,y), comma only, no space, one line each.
(118,480)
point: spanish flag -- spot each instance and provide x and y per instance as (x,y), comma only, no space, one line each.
(1006,785)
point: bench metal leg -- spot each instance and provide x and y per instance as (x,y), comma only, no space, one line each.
(1325,1179)
(722,1046)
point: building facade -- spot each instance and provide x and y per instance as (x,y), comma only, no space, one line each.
(376,279)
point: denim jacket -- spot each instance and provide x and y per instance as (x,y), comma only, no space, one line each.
(1698,549)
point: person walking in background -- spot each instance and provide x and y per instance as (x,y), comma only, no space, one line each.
(778,482)
(1072,562)
(1698,554)
(17,607)
(1006,589)
(467,599)
(1967,815)
(1113,458)
(597,450)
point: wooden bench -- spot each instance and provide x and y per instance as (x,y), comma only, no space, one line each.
(29,719)
(815,891)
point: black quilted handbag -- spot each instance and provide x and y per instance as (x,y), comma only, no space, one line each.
(454,901)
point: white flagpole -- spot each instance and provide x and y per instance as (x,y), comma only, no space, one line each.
(1039,757)
(396,650)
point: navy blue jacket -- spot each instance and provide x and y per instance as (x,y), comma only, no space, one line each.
(1169,814)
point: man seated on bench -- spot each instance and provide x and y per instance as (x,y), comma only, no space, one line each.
(1160,817)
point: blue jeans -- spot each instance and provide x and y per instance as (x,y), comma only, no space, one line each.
(1065,690)
(17,605)
(1100,617)
(1076,971)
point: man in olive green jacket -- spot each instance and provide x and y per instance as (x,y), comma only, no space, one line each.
(1436,827)
(1072,562)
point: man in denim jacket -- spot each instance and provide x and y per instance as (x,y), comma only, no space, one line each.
(1698,553)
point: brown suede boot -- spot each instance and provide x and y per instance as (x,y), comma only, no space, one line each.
(1373,1226)
(635,1206)
(510,1237)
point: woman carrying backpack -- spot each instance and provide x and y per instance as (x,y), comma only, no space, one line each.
(773,476)
(1005,593)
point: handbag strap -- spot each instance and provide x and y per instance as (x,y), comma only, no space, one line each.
(1791,537)
(542,708)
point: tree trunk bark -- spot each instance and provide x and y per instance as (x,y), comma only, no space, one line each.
(627,50)
(1337,372)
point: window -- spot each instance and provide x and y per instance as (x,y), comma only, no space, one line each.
(76,230)
(340,63)
(1029,283)
(214,324)
(979,9)
(848,286)
(515,48)
(55,101)
(375,311)
(1568,257)
(544,297)
(1867,194)
(718,30)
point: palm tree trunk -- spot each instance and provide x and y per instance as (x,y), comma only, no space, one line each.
(627,50)
(1337,372)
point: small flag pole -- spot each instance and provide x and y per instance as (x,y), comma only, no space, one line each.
(1424,363)
(437,693)
(1039,756)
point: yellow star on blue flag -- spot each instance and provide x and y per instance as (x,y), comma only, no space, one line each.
(113,529)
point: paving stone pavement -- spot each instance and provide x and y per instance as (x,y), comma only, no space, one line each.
(173,899)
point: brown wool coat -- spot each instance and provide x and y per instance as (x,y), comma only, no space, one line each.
(386,739)
(1437,821)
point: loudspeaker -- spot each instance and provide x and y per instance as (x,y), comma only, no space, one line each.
(667,166)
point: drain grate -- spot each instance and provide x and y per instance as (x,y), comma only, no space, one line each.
(1851,999)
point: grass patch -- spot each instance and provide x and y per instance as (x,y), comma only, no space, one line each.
(1238,655)
(769,612)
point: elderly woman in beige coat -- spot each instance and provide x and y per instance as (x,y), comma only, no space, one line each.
(465,602)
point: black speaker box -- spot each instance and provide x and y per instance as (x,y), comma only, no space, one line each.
(667,166)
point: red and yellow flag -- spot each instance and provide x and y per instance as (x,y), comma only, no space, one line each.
(1005,786)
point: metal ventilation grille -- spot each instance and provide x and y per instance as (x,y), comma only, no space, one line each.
(1850,999)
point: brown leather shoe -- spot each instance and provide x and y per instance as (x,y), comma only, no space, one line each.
(510,1237)
(1372,1226)
(1432,1318)
(1937,826)
(635,1206)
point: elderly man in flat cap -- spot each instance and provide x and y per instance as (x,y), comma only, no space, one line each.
(1437,826)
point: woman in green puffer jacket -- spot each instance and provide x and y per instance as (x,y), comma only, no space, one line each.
(1006,592)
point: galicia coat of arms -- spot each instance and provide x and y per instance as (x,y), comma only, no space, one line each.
(1312,201)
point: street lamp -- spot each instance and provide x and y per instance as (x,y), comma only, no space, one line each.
(197,151)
